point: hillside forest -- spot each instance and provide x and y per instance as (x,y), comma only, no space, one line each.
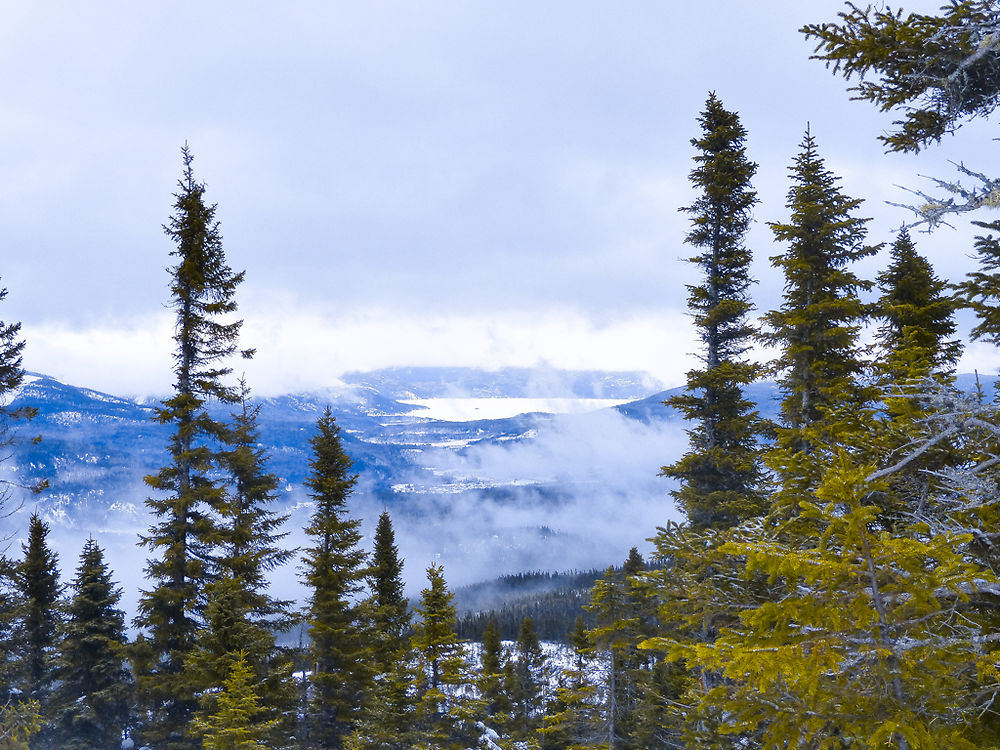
(835,583)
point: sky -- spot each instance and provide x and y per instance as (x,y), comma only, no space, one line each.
(439,183)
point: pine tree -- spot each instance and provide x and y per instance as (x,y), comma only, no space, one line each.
(236,723)
(94,695)
(817,326)
(918,314)
(334,572)
(37,626)
(721,475)
(186,530)
(445,718)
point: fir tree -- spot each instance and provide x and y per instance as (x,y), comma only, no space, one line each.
(527,692)
(721,475)
(38,618)
(493,662)
(236,723)
(241,616)
(445,718)
(981,290)
(817,326)
(572,719)
(389,607)
(186,530)
(94,694)
(334,572)
(918,315)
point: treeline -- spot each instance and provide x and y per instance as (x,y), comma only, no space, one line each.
(833,586)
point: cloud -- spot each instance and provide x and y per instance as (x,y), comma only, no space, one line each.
(301,348)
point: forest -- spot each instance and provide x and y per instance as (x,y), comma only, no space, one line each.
(835,583)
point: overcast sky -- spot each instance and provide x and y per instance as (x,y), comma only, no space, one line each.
(453,183)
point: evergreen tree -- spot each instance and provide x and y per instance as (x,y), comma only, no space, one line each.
(918,314)
(37,624)
(186,530)
(572,720)
(94,694)
(389,607)
(240,615)
(497,706)
(445,717)
(19,722)
(334,572)
(721,475)
(939,69)
(11,377)
(236,723)
(528,691)
(981,290)
(817,326)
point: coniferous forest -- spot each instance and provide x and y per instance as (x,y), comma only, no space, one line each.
(835,583)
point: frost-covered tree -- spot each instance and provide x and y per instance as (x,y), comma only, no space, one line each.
(940,70)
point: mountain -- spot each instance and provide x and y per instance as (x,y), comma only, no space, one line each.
(485,496)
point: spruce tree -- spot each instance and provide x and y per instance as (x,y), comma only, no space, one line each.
(334,573)
(572,719)
(95,687)
(981,290)
(445,717)
(497,707)
(39,613)
(389,608)
(528,692)
(721,475)
(191,489)
(240,615)
(236,723)
(820,364)
(918,317)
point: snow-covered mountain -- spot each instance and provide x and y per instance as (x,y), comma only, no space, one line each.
(571,483)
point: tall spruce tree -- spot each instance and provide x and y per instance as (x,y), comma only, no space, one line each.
(528,691)
(820,365)
(37,625)
(191,489)
(334,573)
(918,316)
(721,475)
(93,699)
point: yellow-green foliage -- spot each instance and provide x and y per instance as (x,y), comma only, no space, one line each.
(18,723)
(867,644)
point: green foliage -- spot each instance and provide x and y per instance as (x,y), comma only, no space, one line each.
(918,315)
(862,648)
(19,722)
(445,714)
(817,326)
(528,688)
(11,377)
(981,290)
(236,723)
(334,571)
(94,696)
(193,497)
(721,475)
(389,607)
(938,69)
(39,612)
(572,719)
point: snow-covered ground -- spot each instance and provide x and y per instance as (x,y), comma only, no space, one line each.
(469,409)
